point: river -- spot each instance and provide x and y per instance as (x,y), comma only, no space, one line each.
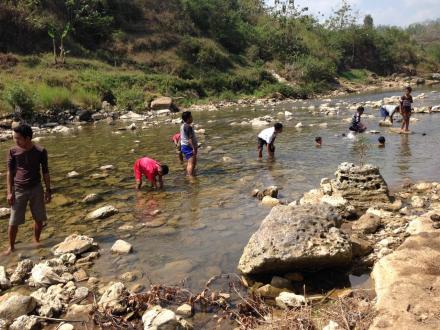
(202,227)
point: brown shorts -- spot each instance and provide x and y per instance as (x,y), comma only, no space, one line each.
(35,197)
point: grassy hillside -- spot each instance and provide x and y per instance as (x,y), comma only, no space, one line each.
(190,49)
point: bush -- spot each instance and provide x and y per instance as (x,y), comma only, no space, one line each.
(19,96)
(53,98)
(310,69)
(87,99)
(203,52)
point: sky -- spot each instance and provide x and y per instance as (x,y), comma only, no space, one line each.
(384,12)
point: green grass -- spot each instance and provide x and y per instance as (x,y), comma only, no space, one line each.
(355,75)
(55,98)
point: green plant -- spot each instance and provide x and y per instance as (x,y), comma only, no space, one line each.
(53,98)
(21,100)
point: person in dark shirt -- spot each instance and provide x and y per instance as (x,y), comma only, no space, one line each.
(406,107)
(356,124)
(25,163)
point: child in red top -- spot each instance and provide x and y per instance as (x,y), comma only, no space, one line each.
(151,169)
(176,140)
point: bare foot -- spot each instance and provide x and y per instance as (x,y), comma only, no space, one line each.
(8,251)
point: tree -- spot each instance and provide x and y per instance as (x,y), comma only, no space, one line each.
(53,33)
(368,22)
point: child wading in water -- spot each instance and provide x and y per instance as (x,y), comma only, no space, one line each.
(318,141)
(356,125)
(176,141)
(267,137)
(189,144)
(151,169)
(405,108)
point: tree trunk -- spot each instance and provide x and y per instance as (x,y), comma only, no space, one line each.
(54,51)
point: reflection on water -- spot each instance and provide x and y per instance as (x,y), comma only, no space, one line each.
(193,230)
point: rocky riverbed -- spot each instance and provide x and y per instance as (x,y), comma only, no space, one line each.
(350,222)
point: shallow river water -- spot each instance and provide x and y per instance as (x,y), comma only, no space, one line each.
(203,226)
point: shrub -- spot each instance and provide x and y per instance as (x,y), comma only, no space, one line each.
(204,52)
(19,96)
(87,99)
(131,99)
(53,98)
(310,69)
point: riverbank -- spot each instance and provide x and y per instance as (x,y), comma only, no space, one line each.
(59,288)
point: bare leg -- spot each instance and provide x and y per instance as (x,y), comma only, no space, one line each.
(190,167)
(181,157)
(260,153)
(12,233)
(38,228)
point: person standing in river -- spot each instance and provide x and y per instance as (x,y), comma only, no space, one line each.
(406,108)
(26,161)
(267,138)
(189,143)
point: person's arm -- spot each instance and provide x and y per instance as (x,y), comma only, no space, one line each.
(46,176)
(269,152)
(138,183)
(137,175)
(190,133)
(10,188)
(154,183)
(160,181)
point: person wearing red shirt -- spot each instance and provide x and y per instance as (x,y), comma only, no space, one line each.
(151,169)
(176,140)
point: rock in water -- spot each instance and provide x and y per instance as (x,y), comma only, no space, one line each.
(103,212)
(4,282)
(269,201)
(159,318)
(5,212)
(15,306)
(296,238)
(91,198)
(122,247)
(44,275)
(367,224)
(113,298)
(162,103)
(75,244)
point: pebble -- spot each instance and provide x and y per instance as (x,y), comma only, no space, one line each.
(121,247)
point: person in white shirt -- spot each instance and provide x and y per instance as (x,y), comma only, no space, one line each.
(435,108)
(267,138)
(389,110)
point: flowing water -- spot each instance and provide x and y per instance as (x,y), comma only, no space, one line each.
(203,226)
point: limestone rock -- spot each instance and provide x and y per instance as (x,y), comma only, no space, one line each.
(15,306)
(158,318)
(52,301)
(113,298)
(75,244)
(360,247)
(103,212)
(72,174)
(91,198)
(295,238)
(122,247)
(417,202)
(44,275)
(5,212)
(107,167)
(367,224)
(4,282)
(269,201)
(22,271)
(81,293)
(288,299)
(184,310)
(332,325)
(25,322)
(162,103)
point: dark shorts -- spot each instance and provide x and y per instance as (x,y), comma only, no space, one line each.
(384,112)
(355,128)
(35,197)
(187,151)
(406,111)
(262,143)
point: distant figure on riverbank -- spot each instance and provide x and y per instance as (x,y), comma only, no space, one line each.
(267,138)
(189,143)
(381,141)
(151,169)
(318,141)
(388,111)
(356,124)
(406,108)
(26,161)
(176,141)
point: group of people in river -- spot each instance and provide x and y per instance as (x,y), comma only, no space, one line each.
(27,162)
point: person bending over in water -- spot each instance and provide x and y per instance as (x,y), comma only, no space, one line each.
(151,169)
(189,143)
(405,108)
(356,124)
(434,108)
(267,137)
(381,141)
(176,141)
(318,141)
(26,162)
(389,111)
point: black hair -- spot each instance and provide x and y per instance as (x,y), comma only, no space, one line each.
(361,108)
(24,130)
(186,115)
(164,169)
(408,88)
(381,139)
(318,138)
(278,126)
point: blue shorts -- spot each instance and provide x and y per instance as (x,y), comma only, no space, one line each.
(187,151)
(384,112)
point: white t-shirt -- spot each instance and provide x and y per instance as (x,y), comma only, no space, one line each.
(390,108)
(435,108)
(268,134)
